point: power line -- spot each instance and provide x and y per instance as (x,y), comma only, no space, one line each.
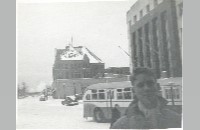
(125,51)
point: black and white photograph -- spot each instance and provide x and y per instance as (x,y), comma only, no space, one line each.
(99,64)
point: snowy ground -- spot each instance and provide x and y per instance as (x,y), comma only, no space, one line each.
(51,114)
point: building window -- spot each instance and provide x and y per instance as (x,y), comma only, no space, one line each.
(72,75)
(72,66)
(135,18)
(79,65)
(141,14)
(165,51)
(155,3)
(148,8)
(66,66)
(147,43)
(75,66)
(66,75)
(134,49)
(180,6)
(155,48)
(140,51)
(77,75)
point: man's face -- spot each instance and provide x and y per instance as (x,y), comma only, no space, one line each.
(145,88)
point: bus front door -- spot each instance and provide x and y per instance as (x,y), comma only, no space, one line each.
(109,102)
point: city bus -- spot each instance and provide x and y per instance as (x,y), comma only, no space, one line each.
(99,99)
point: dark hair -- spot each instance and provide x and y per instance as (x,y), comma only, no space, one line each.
(141,70)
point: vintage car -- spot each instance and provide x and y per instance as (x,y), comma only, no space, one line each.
(70,101)
(43,98)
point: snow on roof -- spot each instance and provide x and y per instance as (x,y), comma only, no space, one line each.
(92,57)
(168,81)
(111,85)
(127,84)
(78,53)
(71,54)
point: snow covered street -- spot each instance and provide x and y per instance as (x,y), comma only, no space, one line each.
(51,114)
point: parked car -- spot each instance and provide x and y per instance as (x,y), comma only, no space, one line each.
(78,96)
(70,101)
(43,98)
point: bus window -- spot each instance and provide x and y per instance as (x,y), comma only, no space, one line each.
(101,95)
(94,91)
(119,96)
(127,95)
(113,96)
(119,90)
(176,93)
(94,96)
(109,95)
(88,97)
(101,91)
(127,89)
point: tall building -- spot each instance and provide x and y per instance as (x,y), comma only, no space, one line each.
(155,35)
(76,62)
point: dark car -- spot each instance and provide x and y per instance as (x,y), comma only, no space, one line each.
(70,101)
(43,98)
(78,96)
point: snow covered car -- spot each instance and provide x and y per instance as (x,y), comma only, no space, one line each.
(70,101)
(43,98)
(78,96)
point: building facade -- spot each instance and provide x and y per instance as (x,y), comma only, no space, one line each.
(68,87)
(76,62)
(155,35)
(118,70)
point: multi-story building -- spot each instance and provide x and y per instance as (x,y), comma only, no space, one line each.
(76,62)
(118,70)
(75,68)
(155,35)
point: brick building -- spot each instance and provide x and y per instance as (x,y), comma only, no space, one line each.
(76,62)
(118,70)
(68,87)
(75,68)
(155,35)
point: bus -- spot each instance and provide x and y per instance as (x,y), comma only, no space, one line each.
(99,99)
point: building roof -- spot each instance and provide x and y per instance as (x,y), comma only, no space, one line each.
(111,85)
(170,81)
(78,53)
(127,84)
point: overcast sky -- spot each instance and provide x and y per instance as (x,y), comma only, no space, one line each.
(43,25)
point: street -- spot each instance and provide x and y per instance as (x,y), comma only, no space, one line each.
(51,114)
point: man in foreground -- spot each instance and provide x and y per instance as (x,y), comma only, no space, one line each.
(148,110)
